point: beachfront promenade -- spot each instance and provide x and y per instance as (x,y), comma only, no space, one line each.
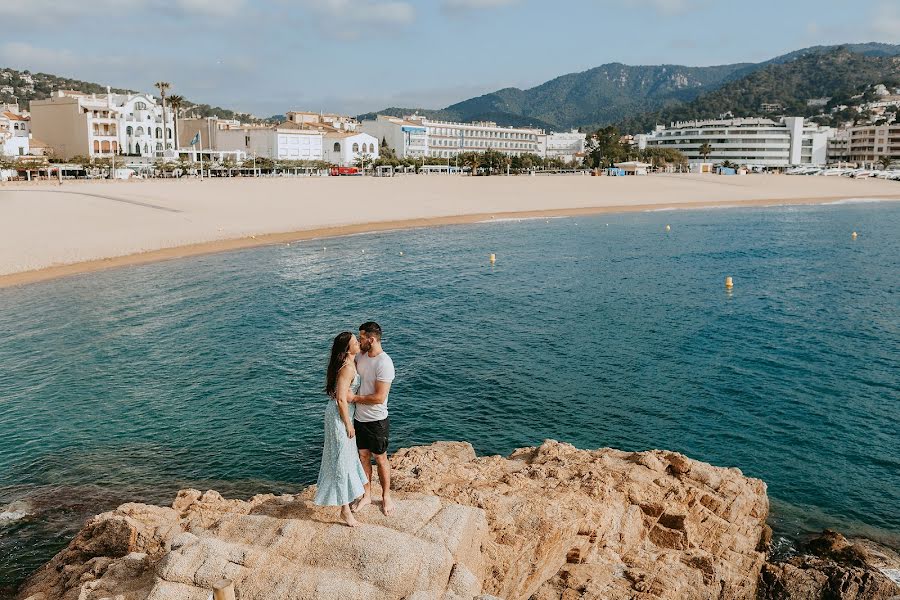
(48,230)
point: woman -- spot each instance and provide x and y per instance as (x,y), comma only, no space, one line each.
(341,477)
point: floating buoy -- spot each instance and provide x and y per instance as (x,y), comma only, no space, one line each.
(364,251)
(252,237)
(401,254)
(668,228)
(729,283)
(324,249)
(853,235)
(493,258)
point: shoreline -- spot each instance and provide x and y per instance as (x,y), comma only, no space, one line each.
(52,272)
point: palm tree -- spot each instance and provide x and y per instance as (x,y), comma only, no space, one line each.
(705,150)
(163,87)
(176,102)
(885,162)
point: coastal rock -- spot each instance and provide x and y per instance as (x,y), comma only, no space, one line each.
(548,523)
(272,547)
(568,523)
(832,566)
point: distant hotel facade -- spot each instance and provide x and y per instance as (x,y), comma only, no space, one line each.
(98,126)
(868,144)
(447,139)
(750,141)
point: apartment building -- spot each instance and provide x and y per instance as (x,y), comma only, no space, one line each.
(447,139)
(869,144)
(406,138)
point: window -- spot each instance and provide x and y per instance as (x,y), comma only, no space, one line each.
(159,133)
(129,130)
(337,147)
(140,131)
(140,106)
(371,148)
(355,148)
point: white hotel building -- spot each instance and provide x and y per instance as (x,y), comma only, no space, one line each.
(406,138)
(73,123)
(446,139)
(750,141)
(14,132)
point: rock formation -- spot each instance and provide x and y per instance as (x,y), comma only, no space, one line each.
(549,523)
(832,566)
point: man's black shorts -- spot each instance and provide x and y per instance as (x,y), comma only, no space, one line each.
(372,435)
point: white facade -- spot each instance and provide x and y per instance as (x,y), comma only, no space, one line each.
(280,142)
(406,138)
(446,139)
(567,146)
(344,148)
(103,125)
(754,141)
(14,134)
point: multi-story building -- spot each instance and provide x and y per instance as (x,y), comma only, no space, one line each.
(345,148)
(285,141)
(871,143)
(405,138)
(14,132)
(839,148)
(73,124)
(326,120)
(567,146)
(446,139)
(748,141)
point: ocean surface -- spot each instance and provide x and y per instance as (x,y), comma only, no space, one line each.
(129,384)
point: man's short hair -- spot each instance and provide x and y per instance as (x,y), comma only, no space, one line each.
(371,328)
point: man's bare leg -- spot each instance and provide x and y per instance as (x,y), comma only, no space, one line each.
(365,457)
(384,478)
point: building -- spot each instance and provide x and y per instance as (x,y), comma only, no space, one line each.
(285,141)
(103,125)
(566,146)
(868,144)
(344,148)
(407,139)
(15,133)
(447,139)
(748,141)
(838,148)
(325,120)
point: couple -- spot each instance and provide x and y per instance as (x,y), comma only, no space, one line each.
(357,381)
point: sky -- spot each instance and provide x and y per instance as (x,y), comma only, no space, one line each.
(350,56)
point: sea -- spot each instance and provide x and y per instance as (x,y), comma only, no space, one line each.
(605,330)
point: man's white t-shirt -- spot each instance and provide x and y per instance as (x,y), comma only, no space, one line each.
(372,369)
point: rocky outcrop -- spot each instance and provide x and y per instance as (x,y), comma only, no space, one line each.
(549,523)
(832,566)
(271,547)
(605,524)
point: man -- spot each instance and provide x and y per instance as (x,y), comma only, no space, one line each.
(376,372)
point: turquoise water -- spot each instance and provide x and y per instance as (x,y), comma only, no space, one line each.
(600,331)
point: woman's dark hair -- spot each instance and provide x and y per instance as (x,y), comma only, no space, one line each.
(339,350)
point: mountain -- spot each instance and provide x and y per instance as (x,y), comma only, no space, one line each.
(614,93)
(27,86)
(837,74)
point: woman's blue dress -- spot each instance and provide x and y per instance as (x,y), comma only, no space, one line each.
(341,476)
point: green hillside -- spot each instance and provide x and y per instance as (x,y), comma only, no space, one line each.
(836,73)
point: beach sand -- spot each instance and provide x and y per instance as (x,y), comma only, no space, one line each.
(48,230)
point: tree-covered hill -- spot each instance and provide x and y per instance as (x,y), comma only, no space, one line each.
(617,93)
(786,87)
(25,86)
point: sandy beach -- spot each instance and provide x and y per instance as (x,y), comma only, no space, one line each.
(49,230)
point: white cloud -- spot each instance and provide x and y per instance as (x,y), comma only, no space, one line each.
(886,25)
(462,5)
(381,12)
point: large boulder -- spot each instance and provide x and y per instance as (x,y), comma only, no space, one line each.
(604,524)
(272,547)
(831,566)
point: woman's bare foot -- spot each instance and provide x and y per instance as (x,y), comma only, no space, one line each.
(362,503)
(387,505)
(347,515)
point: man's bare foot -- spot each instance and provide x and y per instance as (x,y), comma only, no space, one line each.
(362,503)
(348,517)
(387,506)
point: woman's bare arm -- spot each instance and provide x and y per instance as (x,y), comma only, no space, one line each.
(345,378)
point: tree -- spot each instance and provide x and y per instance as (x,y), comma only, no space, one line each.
(472,160)
(163,87)
(705,150)
(363,160)
(885,162)
(176,102)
